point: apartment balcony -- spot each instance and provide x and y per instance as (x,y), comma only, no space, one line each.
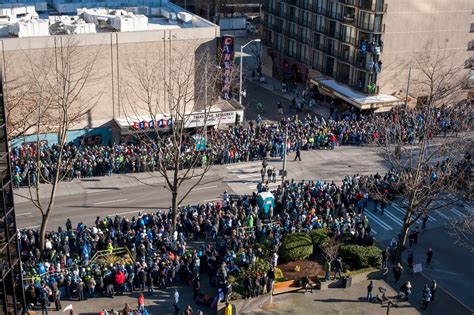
(366,5)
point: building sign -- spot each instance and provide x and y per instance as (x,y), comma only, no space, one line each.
(198,120)
(227,64)
(152,124)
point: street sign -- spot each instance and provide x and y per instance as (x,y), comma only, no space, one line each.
(417,268)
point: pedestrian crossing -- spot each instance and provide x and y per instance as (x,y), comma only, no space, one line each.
(244,178)
(248,175)
(388,224)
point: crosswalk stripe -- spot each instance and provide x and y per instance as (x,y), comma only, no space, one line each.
(393,218)
(442,215)
(398,209)
(249,175)
(372,230)
(269,185)
(456,211)
(377,220)
(244,165)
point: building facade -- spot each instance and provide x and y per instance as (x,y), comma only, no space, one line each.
(11,291)
(173,48)
(361,48)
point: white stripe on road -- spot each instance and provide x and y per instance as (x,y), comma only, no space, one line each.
(240,165)
(109,201)
(120,213)
(20,214)
(202,188)
(442,215)
(254,168)
(377,220)
(93,191)
(269,185)
(250,175)
(213,199)
(459,213)
(393,218)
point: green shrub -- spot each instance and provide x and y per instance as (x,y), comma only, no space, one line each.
(361,256)
(319,237)
(295,247)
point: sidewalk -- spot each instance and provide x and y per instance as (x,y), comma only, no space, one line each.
(274,86)
(353,301)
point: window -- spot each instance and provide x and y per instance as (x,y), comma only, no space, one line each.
(470,45)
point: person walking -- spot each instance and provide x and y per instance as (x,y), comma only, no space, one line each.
(57,299)
(434,287)
(176,301)
(338,268)
(327,269)
(397,271)
(228,309)
(370,289)
(298,153)
(429,256)
(426,297)
(141,303)
(280,108)
(43,298)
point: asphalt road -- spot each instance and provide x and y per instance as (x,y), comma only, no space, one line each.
(129,201)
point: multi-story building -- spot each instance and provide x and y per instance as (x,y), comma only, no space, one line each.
(11,290)
(213,9)
(122,39)
(360,50)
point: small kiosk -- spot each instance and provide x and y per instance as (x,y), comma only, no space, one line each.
(265,201)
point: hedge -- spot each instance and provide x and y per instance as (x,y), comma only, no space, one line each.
(295,247)
(319,237)
(361,256)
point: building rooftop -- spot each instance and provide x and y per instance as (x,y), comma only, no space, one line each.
(29,20)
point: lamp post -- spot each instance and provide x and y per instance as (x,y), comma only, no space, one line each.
(257,40)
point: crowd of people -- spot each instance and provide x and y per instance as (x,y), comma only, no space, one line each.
(232,230)
(237,144)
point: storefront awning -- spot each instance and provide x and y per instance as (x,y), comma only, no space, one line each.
(357,99)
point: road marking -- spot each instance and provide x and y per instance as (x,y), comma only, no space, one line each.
(248,168)
(249,175)
(377,220)
(393,218)
(442,215)
(459,213)
(95,191)
(109,201)
(127,212)
(202,188)
(20,214)
(269,185)
(372,230)
(242,166)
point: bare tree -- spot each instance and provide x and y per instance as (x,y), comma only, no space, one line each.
(425,148)
(463,231)
(183,96)
(330,249)
(57,79)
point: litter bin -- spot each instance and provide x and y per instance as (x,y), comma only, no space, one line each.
(346,282)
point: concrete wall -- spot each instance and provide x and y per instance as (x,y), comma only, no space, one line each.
(118,56)
(423,27)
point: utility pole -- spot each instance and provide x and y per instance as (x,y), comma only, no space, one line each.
(408,86)
(283,172)
(206,116)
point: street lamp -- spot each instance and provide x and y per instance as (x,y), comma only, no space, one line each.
(258,40)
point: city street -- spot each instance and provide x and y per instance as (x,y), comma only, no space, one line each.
(123,194)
